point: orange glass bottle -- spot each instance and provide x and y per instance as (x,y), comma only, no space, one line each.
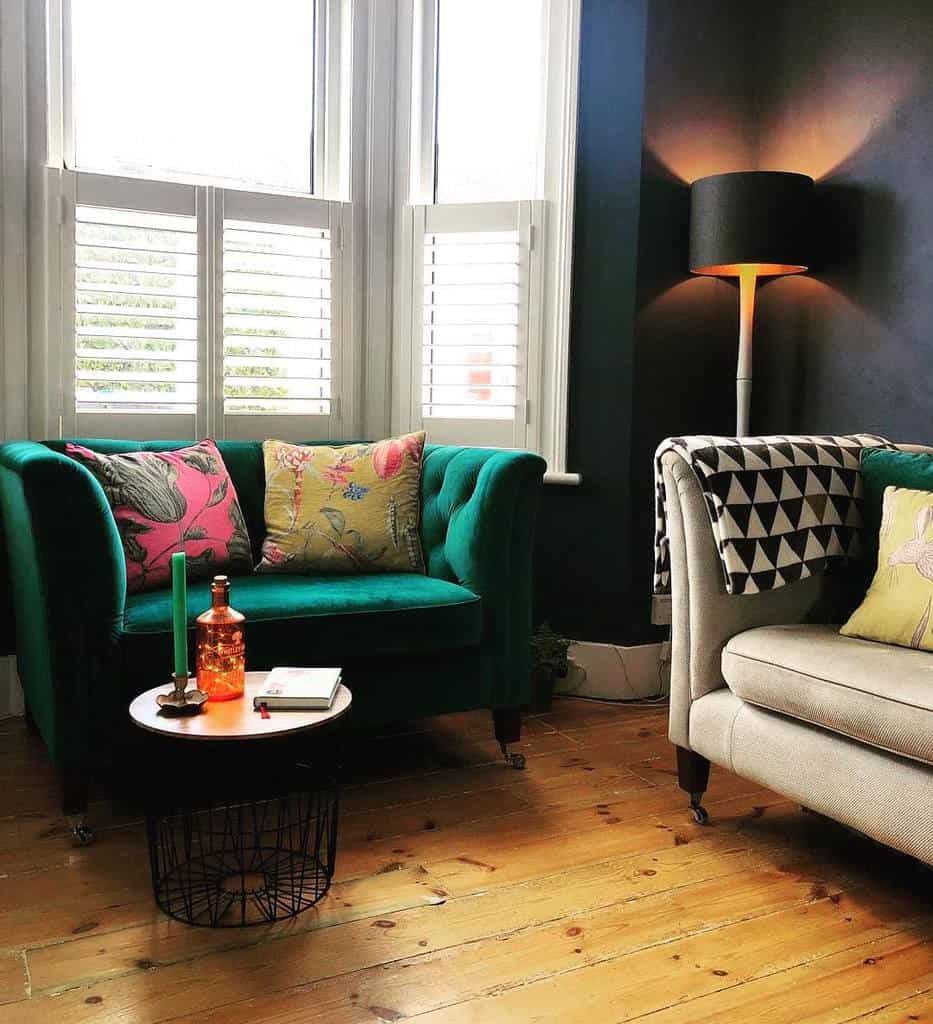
(221,646)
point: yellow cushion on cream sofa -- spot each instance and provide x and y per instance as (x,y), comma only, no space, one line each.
(897,607)
(350,509)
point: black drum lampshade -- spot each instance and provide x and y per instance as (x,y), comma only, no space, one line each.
(750,217)
(750,224)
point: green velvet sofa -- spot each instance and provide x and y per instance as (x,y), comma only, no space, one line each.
(454,639)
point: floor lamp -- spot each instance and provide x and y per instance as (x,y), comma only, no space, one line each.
(749,224)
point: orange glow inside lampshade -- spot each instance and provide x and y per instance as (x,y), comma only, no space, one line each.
(759,269)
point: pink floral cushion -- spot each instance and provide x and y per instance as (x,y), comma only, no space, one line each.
(165,502)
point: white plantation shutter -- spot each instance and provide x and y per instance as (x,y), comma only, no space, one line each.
(474,288)
(280,319)
(276,319)
(194,311)
(136,309)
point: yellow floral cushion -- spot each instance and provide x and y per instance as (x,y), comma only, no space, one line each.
(896,609)
(349,509)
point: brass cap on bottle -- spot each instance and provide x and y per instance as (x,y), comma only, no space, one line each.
(220,591)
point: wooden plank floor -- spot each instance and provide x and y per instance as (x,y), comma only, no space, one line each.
(578,890)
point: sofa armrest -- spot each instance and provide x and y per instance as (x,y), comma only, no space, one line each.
(67,576)
(704,617)
(478,521)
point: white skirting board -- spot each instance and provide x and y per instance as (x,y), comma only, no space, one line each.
(611,672)
(11,693)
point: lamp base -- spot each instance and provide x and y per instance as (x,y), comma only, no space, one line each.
(743,404)
(743,374)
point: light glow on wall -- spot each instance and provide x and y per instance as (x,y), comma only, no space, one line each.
(817,130)
(691,145)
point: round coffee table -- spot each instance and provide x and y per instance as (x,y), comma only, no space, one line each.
(240,832)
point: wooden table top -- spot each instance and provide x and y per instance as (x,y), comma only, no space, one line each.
(233,719)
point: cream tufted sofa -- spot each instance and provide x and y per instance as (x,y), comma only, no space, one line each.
(764,686)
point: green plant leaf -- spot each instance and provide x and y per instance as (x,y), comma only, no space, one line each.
(336,519)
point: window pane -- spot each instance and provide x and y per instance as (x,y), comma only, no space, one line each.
(213,89)
(490,81)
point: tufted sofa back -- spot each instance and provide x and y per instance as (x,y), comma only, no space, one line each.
(449,481)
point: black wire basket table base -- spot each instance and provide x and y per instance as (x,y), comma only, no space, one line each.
(247,862)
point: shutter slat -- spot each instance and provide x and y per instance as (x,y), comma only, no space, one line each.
(278,295)
(114,245)
(288,406)
(100,288)
(134,269)
(292,272)
(110,310)
(280,314)
(292,344)
(119,356)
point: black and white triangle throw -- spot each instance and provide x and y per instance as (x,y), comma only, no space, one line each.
(781,507)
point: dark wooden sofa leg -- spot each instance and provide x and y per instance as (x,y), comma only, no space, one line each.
(31,727)
(507,723)
(75,788)
(693,778)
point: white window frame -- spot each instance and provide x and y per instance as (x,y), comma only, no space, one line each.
(152,197)
(210,206)
(332,63)
(523,217)
(316,213)
(549,241)
(14,227)
(65,187)
(375,141)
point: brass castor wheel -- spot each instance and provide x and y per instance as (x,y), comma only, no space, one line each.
(516,761)
(81,834)
(700,814)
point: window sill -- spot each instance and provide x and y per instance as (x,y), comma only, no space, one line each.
(563,479)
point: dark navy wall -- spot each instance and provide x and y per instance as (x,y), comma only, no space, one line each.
(847,96)
(662,101)
(698,107)
(670,91)
(583,552)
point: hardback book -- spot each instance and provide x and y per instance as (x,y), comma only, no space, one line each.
(298,689)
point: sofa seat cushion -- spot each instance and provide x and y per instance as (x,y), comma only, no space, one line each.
(363,615)
(876,693)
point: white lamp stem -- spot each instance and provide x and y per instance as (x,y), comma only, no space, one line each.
(748,277)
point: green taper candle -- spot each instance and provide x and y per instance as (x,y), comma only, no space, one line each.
(180,613)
